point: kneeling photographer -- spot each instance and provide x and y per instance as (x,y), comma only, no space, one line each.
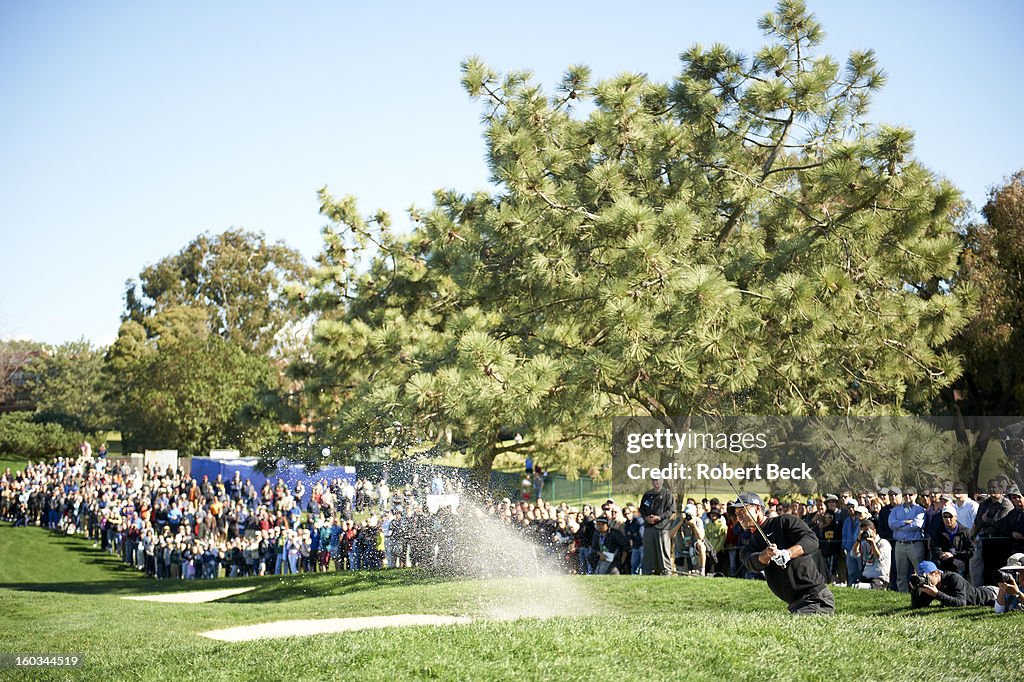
(1010,598)
(948,588)
(875,555)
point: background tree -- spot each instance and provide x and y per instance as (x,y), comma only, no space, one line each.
(992,343)
(179,386)
(15,357)
(236,277)
(68,387)
(741,241)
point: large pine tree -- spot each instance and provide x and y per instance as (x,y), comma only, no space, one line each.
(738,241)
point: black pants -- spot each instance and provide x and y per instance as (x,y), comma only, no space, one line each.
(814,603)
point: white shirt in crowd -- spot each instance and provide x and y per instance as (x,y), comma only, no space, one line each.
(965,515)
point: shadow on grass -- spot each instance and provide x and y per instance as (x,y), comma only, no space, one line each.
(118,578)
(280,588)
(945,613)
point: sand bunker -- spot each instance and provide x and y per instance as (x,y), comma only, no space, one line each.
(197,597)
(303,628)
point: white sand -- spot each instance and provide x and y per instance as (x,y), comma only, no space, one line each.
(302,628)
(197,597)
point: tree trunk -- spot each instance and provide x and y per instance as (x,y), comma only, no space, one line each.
(480,474)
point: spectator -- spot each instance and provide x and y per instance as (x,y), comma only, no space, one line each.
(1012,525)
(715,531)
(873,553)
(950,543)
(851,529)
(907,523)
(634,533)
(657,508)
(990,548)
(609,545)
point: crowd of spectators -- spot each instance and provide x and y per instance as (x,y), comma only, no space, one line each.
(173,526)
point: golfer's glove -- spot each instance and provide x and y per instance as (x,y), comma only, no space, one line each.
(782,558)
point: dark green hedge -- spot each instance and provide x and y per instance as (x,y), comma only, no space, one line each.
(21,435)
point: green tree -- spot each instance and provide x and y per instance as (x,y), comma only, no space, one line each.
(992,343)
(68,387)
(739,241)
(178,386)
(236,277)
(15,357)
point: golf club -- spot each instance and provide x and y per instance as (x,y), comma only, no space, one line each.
(756,524)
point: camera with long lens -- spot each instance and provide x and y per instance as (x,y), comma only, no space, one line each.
(688,516)
(1005,577)
(915,581)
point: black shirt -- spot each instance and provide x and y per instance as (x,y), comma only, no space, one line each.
(800,577)
(613,541)
(958,544)
(1010,524)
(884,531)
(954,590)
(660,503)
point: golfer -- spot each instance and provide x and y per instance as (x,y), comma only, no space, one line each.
(786,557)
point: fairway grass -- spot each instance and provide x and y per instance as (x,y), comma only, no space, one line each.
(59,595)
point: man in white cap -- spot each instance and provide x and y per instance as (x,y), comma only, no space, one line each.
(787,558)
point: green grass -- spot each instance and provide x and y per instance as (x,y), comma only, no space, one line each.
(15,462)
(59,595)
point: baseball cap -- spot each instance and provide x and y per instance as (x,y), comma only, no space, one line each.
(926,567)
(949,510)
(745,499)
(895,491)
(830,496)
(883,491)
(861,509)
(1013,491)
(911,490)
(850,502)
(1015,562)
(601,519)
(959,488)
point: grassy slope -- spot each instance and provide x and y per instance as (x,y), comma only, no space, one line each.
(15,462)
(60,596)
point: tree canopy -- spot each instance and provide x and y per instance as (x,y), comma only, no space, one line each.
(236,277)
(992,343)
(739,241)
(179,386)
(68,387)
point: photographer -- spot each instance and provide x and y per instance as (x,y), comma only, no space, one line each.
(691,553)
(1010,598)
(949,589)
(874,554)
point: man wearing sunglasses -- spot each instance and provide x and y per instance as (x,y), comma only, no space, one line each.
(950,543)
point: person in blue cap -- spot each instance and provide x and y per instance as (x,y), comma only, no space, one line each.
(931,583)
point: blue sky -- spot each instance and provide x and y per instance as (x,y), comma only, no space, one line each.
(129,128)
